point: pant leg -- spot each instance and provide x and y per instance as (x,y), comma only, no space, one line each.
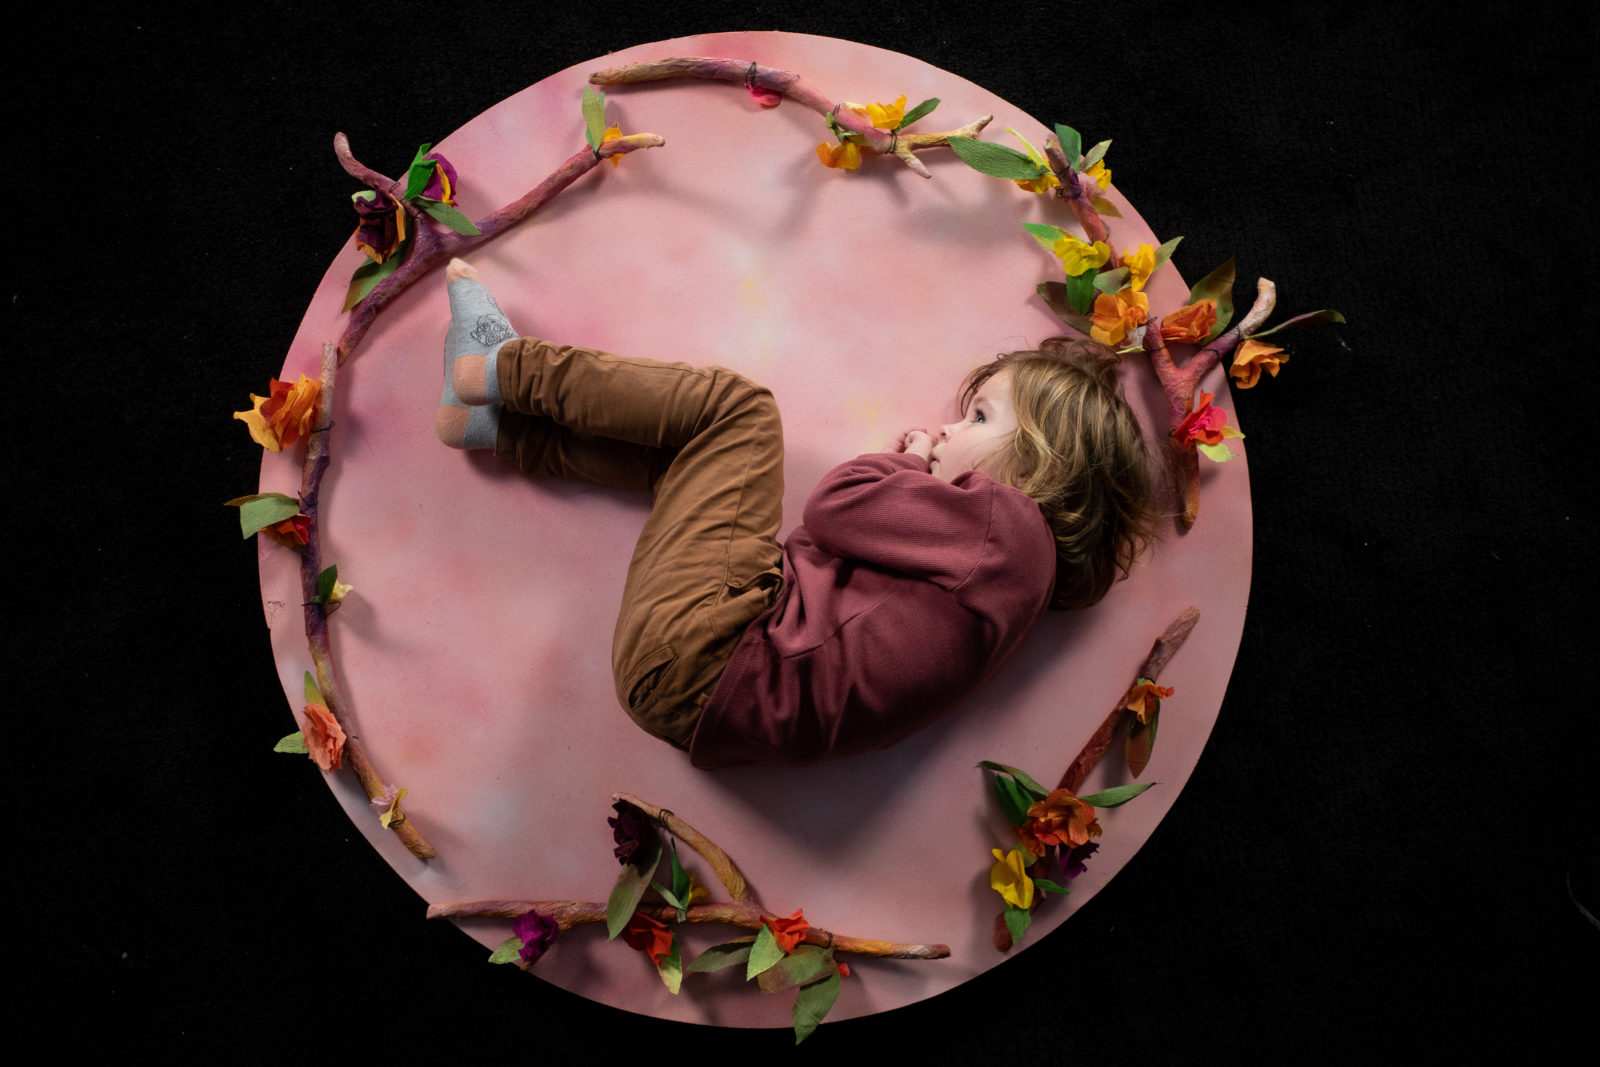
(707,561)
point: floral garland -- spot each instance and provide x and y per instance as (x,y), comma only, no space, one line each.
(407,230)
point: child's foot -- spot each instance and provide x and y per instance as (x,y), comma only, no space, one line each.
(477,330)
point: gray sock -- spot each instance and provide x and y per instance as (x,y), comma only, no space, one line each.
(477,327)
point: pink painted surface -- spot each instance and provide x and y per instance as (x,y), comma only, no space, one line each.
(475,649)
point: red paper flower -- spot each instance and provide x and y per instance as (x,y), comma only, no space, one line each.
(291,532)
(1204,425)
(650,936)
(788,932)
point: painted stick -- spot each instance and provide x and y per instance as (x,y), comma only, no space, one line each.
(726,870)
(1071,190)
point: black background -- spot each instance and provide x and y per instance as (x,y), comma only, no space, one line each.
(1372,857)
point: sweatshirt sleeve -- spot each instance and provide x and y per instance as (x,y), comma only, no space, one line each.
(887,510)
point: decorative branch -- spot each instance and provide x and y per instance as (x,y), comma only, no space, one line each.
(721,865)
(787,83)
(1166,646)
(1071,190)
(316,612)
(1179,385)
(435,246)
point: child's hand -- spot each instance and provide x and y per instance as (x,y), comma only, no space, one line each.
(914,442)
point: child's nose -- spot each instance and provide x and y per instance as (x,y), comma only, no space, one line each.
(944,432)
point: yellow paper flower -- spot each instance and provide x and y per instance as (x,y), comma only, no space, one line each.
(886,116)
(1042,184)
(1116,314)
(338,592)
(1009,878)
(1100,174)
(846,155)
(612,133)
(1141,262)
(1078,256)
(284,416)
(1252,358)
(1145,698)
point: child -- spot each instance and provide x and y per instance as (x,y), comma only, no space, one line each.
(916,573)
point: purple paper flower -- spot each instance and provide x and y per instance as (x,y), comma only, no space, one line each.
(633,832)
(1072,861)
(383,224)
(538,933)
(442,186)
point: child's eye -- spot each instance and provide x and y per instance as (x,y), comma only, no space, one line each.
(977,416)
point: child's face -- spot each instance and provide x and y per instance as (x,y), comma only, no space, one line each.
(988,426)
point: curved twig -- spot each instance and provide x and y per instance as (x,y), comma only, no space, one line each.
(1071,190)
(787,83)
(722,865)
(316,614)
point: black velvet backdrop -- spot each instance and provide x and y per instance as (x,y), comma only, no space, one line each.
(1372,857)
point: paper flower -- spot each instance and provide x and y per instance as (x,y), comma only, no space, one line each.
(284,415)
(1191,323)
(1100,174)
(1253,357)
(633,832)
(1205,425)
(1042,184)
(791,931)
(1059,819)
(613,133)
(1145,698)
(1115,314)
(1078,256)
(538,933)
(885,116)
(650,936)
(1009,878)
(1141,262)
(388,805)
(324,737)
(846,155)
(442,186)
(383,224)
(291,532)
(1072,859)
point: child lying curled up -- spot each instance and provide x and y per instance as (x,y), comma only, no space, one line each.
(916,573)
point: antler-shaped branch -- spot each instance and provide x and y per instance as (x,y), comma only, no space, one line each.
(1179,385)
(435,246)
(1071,190)
(744,910)
(316,613)
(787,83)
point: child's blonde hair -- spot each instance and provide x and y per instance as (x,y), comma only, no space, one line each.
(1079,453)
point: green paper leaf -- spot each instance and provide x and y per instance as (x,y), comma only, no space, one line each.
(1112,281)
(922,110)
(367,276)
(439,211)
(1017,920)
(1038,157)
(1164,253)
(1141,744)
(1218,286)
(510,951)
(995,160)
(1047,236)
(1095,154)
(1071,145)
(812,1004)
(680,877)
(1014,800)
(1218,453)
(766,952)
(804,965)
(671,968)
(1325,315)
(720,957)
(669,896)
(1047,886)
(264,509)
(313,694)
(594,116)
(1037,791)
(418,174)
(1081,290)
(325,583)
(625,895)
(294,743)
(1117,795)
(1054,294)
(1105,207)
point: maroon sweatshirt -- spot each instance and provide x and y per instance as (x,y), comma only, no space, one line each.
(901,594)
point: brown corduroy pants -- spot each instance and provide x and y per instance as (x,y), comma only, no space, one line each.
(709,445)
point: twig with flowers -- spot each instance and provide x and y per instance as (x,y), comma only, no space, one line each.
(785,953)
(1058,822)
(874,127)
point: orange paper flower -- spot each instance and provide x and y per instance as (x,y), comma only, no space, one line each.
(291,532)
(324,737)
(1252,358)
(613,133)
(885,116)
(1117,313)
(284,415)
(1059,819)
(846,155)
(650,936)
(791,931)
(1145,698)
(1190,324)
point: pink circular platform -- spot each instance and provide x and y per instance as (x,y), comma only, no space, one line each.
(475,649)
